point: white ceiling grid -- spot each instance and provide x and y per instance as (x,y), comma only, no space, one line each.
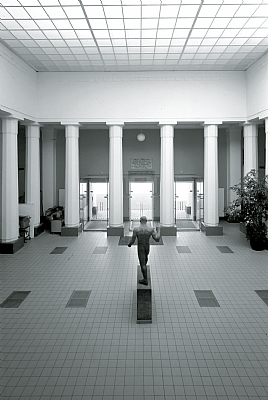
(136,35)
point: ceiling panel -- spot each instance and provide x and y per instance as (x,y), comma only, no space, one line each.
(136,35)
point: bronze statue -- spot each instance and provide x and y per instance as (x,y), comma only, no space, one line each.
(143,233)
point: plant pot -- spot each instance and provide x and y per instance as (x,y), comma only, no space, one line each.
(257,245)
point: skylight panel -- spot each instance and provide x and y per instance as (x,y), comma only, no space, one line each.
(150,11)
(188,11)
(132,23)
(261,11)
(227,10)
(164,33)
(79,23)
(98,23)
(53,34)
(133,33)
(199,33)
(149,23)
(149,33)
(133,42)
(68,34)
(17,13)
(69,2)
(62,24)
(55,12)
(169,11)
(208,11)
(29,2)
(254,22)
(162,42)
(87,42)
(113,12)
(166,23)
(117,34)
(214,33)
(74,12)
(148,42)
(45,24)
(203,22)
(181,33)
(246,10)
(94,12)
(27,24)
(83,34)
(220,22)
(104,42)
(49,2)
(73,42)
(184,22)
(37,35)
(11,24)
(115,24)
(7,3)
(21,35)
(132,11)
(101,33)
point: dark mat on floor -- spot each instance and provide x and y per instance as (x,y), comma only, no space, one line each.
(59,250)
(206,298)
(100,250)
(181,224)
(96,226)
(263,294)
(183,249)
(224,249)
(79,298)
(124,240)
(15,299)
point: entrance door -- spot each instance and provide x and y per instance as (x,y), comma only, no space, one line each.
(184,200)
(141,201)
(99,201)
(199,201)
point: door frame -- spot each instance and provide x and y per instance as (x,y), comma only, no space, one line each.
(141,180)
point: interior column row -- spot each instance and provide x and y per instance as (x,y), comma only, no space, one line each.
(9,188)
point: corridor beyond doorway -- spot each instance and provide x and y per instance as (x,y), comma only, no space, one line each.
(98,206)
(140,202)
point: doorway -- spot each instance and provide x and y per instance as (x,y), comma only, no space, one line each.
(98,210)
(140,202)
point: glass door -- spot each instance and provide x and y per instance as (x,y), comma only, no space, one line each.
(99,201)
(199,202)
(184,200)
(141,201)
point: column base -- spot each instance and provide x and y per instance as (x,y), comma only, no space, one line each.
(168,230)
(115,230)
(12,247)
(212,230)
(38,230)
(71,231)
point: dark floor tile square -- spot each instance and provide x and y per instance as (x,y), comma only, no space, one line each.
(206,298)
(183,249)
(79,298)
(263,294)
(100,250)
(59,250)
(15,299)
(224,249)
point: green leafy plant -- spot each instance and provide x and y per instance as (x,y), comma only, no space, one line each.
(251,206)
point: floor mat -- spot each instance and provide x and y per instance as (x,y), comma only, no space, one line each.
(206,298)
(59,250)
(79,298)
(224,249)
(183,249)
(182,224)
(124,240)
(15,299)
(98,225)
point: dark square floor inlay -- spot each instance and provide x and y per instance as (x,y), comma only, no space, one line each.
(100,250)
(263,294)
(15,299)
(59,250)
(224,249)
(183,249)
(79,298)
(206,298)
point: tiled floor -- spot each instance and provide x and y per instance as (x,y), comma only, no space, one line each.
(99,352)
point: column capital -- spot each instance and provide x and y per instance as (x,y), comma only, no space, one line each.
(71,123)
(250,130)
(115,131)
(115,123)
(32,131)
(10,125)
(167,131)
(213,122)
(167,123)
(72,131)
(210,130)
(49,133)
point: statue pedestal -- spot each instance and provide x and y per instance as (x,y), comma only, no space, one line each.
(144,298)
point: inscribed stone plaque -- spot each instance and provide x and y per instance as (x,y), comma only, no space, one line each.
(141,163)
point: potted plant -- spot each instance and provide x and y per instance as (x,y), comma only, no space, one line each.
(251,208)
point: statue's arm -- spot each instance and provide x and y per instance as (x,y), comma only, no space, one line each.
(132,240)
(156,234)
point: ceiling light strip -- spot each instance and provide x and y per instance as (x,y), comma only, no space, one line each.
(92,33)
(192,27)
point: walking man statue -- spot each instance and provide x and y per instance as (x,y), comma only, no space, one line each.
(143,233)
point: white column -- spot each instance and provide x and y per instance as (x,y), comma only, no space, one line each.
(266,146)
(234,152)
(32,183)
(167,176)
(10,190)
(115,176)
(71,212)
(211,213)
(250,147)
(49,136)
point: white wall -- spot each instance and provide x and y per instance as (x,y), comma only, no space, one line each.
(257,89)
(18,85)
(154,96)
